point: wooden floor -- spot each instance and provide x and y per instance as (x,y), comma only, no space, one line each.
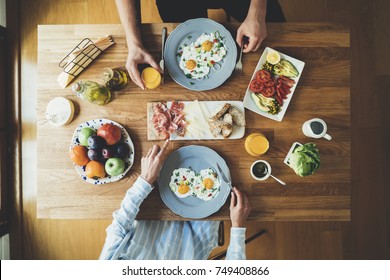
(367,236)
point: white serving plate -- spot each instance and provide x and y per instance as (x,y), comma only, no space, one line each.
(208,107)
(249,103)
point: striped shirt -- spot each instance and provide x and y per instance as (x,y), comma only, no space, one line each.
(130,239)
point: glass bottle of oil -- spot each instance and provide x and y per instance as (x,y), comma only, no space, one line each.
(115,79)
(92,92)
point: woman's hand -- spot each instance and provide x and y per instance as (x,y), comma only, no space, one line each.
(152,162)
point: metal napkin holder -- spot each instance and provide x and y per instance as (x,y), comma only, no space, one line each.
(86,51)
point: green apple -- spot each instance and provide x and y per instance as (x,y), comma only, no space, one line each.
(84,134)
(114,166)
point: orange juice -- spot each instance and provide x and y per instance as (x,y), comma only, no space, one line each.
(256,144)
(151,77)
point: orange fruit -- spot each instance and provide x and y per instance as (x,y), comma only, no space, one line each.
(79,155)
(95,169)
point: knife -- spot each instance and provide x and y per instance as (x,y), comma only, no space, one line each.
(163,36)
(224,177)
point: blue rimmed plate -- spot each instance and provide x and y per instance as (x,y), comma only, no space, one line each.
(188,32)
(196,158)
(95,124)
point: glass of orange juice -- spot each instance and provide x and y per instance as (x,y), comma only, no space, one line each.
(256,144)
(151,77)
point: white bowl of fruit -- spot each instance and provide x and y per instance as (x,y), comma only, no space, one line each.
(101,151)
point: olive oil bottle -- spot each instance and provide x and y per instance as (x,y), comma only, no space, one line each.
(115,79)
(92,92)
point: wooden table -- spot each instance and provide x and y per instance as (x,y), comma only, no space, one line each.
(323,91)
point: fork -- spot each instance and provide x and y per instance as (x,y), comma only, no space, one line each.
(238,68)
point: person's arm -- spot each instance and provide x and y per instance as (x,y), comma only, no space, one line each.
(137,54)
(253,27)
(239,212)
(124,218)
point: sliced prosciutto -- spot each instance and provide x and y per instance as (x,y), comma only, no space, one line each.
(167,121)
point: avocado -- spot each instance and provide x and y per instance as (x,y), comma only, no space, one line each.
(268,105)
(285,68)
(258,102)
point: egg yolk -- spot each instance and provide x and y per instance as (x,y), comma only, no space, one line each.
(208,183)
(183,189)
(191,64)
(207,46)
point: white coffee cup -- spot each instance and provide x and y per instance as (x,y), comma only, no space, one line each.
(316,128)
(266,170)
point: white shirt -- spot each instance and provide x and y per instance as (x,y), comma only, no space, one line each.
(172,240)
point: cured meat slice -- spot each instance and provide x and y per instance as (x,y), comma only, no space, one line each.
(167,121)
(177,107)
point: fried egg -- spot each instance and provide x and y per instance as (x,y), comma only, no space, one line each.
(212,47)
(197,58)
(192,64)
(182,182)
(209,185)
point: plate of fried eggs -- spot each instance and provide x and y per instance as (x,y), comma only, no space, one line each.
(200,54)
(189,183)
(203,185)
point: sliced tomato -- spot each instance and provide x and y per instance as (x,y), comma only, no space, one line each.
(263,76)
(256,86)
(271,82)
(268,91)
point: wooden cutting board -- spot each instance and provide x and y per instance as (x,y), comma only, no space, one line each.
(203,112)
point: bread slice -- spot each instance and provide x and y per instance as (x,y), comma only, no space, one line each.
(227,118)
(216,127)
(227,129)
(238,118)
(221,109)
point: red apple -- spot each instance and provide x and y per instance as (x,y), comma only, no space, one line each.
(110,132)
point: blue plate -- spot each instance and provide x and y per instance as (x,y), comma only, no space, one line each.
(196,158)
(188,32)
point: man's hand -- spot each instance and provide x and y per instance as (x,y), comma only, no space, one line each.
(152,162)
(253,26)
(239,208)
(255,31)
(139,55)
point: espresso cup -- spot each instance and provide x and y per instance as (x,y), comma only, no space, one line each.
(260,170)
(316,128)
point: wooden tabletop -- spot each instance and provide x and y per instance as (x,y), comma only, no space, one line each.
(323,91)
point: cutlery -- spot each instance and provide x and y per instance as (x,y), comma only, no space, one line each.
(163,36)
(224,177)
(238,68)
(278,180)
